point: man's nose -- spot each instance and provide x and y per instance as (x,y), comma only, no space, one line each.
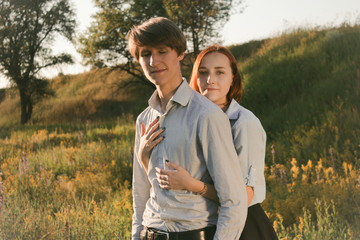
(153,59)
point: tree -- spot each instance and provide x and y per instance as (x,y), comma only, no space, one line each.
(200,20)
(27,29)
(105,44)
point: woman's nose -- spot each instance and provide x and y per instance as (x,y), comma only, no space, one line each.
(210,79)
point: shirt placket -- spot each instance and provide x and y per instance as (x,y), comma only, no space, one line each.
(161,157)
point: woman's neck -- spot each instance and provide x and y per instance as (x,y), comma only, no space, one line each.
(224,106)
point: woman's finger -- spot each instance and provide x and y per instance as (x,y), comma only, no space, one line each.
(154,138)
(153,129)
(173,165)
(162,177)
(165,187)
(143,129)
(151,125)
(163,171)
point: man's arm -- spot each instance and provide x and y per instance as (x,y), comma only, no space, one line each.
(140,189)
(224,168)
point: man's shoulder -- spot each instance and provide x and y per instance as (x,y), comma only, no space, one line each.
(144,114)
(204,105)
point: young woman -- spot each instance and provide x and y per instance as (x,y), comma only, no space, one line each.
(215,75)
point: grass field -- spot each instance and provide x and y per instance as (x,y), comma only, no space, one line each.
(67,174)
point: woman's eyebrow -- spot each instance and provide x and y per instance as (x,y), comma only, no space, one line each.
(217,67)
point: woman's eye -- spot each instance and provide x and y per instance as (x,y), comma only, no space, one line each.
(219,72)
(202,72)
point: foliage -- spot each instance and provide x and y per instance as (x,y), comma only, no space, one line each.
(26,30)
(105,43)
(296,190)
(68,175)
(85,97)
(73,181)
(199,19)
(327,225)
(66,183)
(303,86)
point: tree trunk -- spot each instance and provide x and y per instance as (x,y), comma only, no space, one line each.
(26,106)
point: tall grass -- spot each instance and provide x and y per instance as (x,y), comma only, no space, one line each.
(73,182)
(69,183)
(67,174)
(304,87)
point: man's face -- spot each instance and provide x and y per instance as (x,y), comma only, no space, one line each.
(161,65)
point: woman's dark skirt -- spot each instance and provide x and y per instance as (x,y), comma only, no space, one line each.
(257,225)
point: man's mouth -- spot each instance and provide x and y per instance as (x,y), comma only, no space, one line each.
(157,71)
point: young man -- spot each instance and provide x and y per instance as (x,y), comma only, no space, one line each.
(198,137)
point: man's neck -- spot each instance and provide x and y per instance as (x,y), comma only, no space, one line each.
(165,93)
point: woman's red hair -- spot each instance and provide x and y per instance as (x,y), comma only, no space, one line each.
(235,91)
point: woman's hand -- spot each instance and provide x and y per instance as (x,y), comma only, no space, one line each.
(148,141)
(180,179)
(177,179)
(250,193)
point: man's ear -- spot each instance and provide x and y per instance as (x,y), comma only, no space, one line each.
(181,56)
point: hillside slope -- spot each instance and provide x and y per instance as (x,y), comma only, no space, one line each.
(304,87)
(94,95)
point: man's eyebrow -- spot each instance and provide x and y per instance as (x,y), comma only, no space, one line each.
(218,67)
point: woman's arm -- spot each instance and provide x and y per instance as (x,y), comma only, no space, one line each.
(180,179)
(148,140)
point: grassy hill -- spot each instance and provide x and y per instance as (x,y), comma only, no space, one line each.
(304,87)
(67,173)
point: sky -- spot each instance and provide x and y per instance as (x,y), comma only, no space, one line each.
(259,19)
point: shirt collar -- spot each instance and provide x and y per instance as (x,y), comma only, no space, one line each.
(182,95)
(233,110)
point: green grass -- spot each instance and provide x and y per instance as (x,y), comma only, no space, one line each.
(67,174)
(67,182)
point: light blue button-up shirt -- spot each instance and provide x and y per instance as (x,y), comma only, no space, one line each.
(250,144)
(198,137)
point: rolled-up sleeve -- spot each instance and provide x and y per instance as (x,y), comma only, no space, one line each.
(141,188)
(250,143)
(224,168)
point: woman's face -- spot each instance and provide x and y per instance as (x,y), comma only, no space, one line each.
(215,77)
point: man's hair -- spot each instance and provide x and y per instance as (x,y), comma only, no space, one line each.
(156,32)
(235,91)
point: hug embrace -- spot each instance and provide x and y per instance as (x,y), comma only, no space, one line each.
(198,170)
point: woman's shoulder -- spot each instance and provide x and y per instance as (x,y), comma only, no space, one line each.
(240,113)
(243,117)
